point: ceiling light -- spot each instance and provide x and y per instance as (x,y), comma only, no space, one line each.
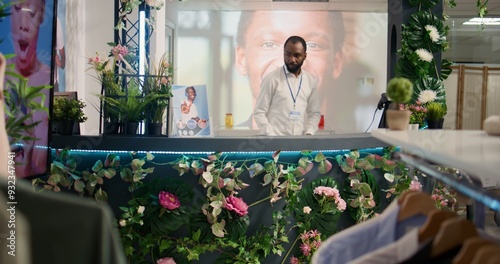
(483,21)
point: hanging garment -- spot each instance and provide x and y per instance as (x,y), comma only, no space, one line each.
(65,228)
(396,252)
(366,237)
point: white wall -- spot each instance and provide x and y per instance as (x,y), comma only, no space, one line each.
(98,31)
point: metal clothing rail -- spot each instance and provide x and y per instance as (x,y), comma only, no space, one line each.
(467,186)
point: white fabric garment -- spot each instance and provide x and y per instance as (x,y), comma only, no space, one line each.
(193,111)
(366,237)
(394,253)
(275,103)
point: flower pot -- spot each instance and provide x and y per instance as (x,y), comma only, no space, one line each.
(131,128)
(66,127)
(111,128)
(398,119)
(435,124)
(154,129)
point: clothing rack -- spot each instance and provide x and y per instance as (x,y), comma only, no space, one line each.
(474,153)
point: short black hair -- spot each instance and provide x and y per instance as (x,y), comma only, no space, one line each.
(190,87)
(295,39)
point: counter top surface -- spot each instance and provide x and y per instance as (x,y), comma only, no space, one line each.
(211,144)
(472,151)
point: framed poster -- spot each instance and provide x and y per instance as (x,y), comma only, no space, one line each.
(191,114)
(27,33)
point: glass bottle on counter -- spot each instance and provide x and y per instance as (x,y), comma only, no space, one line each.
(229,120)
(321,124)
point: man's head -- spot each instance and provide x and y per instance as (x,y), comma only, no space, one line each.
(294,53)
(27,16)
(261,35)
(190,93)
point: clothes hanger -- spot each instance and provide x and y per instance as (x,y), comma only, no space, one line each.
(469,249)
(403,196)
(414,203)
(433,224)
(485,253)
(453,233)
(494,260)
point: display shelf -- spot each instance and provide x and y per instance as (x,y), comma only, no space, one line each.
(473,152)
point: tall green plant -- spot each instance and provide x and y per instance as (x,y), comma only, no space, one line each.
(422,37)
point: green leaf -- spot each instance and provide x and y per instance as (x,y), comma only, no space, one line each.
(101,196)
(255,169)
(319,157)
(267,179)
(196,235)
(324,166)
(149,156)
(97,166)
(79,186)
(218,228)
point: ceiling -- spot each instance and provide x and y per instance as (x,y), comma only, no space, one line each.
(469,44)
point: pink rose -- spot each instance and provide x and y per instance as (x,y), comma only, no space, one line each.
(237,205)
(119,50)
(166,261)
(168,200)
(415,186)
(294,260)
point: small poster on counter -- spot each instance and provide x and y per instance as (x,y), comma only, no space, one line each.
(191,114)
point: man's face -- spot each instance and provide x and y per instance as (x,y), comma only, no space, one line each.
(27,16)
(294,55)
(266,35)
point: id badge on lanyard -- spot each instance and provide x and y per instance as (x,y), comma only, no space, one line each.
(294,115)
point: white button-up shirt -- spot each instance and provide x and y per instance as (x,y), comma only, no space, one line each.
(273,109)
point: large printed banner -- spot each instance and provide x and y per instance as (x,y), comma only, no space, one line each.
(232,51)
(28,34)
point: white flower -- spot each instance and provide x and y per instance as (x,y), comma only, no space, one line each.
(427,96)
(140,209)
(123,222)
(424,55)
(433,33)
(306,209)
(141,222)
(155,3)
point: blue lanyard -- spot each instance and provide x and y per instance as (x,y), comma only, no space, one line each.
(294,98)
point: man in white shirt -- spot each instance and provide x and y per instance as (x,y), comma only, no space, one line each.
(288,103)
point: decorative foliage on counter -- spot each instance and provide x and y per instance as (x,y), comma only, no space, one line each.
(219,221)
(362,188)
(168,220)
(64,174)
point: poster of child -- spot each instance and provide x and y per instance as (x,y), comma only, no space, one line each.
(28,33)
(191,114)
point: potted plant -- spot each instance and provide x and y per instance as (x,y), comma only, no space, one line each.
(399,90)
(435,115)
(66,112)
(158,84)
(131,106)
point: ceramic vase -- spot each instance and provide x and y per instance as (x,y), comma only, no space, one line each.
(398,119)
